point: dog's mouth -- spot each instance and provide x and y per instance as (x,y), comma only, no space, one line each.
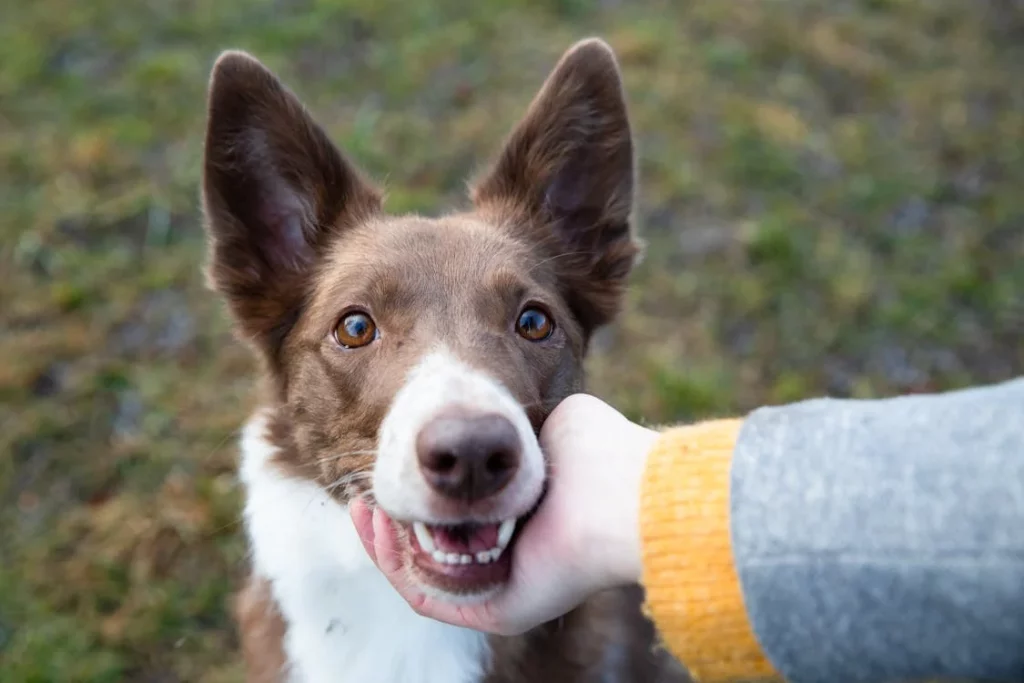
(466,559)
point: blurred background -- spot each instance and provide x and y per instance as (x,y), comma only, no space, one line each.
(832,196)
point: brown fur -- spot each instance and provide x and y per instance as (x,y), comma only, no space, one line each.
(605,639)
(298,237)
(262,629)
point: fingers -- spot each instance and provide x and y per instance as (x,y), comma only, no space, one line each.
(388,557)
(377,533)
(379,540)
(362,518)
(389,560)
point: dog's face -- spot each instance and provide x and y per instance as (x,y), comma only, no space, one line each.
(414,360)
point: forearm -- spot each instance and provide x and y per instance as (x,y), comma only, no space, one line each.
(862,540)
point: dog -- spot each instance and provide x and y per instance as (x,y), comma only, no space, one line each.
(413,361)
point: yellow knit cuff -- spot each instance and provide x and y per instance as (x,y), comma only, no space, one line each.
(693,591)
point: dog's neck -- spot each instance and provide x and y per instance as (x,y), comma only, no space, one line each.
(344,620)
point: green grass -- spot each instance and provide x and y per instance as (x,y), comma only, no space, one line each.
(831,196)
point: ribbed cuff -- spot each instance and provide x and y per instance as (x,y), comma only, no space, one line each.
(693,591)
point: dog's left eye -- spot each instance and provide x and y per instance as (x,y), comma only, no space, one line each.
(355,329)
(534,324)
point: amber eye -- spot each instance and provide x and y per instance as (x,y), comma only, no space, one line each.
(355,329)
(534,324)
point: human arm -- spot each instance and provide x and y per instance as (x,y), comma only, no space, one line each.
(878,540)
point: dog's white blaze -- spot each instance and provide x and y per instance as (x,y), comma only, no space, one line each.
(440,381)
(346,624)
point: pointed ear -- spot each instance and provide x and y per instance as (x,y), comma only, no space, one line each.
(275,190)
(566,176)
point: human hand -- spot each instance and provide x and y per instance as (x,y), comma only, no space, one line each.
(583,538)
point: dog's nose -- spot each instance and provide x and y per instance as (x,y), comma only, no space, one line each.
(468,457)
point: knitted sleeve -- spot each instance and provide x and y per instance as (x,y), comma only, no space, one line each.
(898,519)
(693,592)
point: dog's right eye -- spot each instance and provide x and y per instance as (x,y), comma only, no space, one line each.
(355,329)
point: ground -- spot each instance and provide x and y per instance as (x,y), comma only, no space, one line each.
(832,196)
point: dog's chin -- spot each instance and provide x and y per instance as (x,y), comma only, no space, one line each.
(460,563)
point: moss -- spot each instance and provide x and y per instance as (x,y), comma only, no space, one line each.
(688,395)
(832,200)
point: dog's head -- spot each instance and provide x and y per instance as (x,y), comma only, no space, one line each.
(413,359)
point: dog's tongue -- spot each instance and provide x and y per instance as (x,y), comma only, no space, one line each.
(465,538)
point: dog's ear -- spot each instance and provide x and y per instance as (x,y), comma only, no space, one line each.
(275,190)
(566,174)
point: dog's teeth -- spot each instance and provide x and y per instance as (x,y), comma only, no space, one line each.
(505,532)
(426,541)
(423,536)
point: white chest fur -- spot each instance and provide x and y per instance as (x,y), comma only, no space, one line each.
(345,622)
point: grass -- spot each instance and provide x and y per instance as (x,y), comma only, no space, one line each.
(831,196)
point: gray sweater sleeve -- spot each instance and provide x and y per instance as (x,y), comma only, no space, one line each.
(884,540)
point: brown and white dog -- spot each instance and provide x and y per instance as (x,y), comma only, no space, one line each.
(413,360)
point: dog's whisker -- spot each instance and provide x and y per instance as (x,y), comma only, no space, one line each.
(566,254)
(338,456)
(348,479)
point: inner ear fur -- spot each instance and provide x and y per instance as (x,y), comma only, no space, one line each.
(565,179)
(275,192)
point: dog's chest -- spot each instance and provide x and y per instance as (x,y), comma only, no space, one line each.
(365,632)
